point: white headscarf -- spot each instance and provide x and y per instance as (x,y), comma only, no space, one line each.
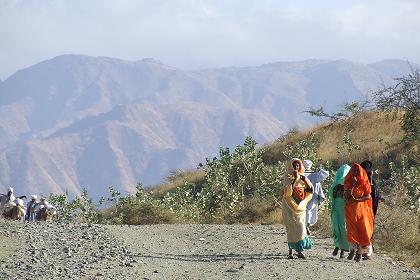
(307,164)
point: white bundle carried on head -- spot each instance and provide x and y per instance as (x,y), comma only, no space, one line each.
(307,164)
(19,202)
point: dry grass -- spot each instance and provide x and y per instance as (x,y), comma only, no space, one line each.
(195,177)
(147,214)
(255,211)
(323,226)
(371,131)
(271,218)
(138,213)
(397,232)
(377,134)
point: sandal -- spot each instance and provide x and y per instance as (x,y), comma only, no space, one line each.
(342,254)
(335,252)
(300,255)
(365,257)
(357,257)
(290,257)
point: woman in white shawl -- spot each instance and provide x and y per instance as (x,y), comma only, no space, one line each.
(318,194)
(297,194)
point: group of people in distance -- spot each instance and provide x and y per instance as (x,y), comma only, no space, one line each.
(12,207)
(354,202)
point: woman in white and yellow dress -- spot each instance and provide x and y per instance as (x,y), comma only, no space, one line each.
(297,193)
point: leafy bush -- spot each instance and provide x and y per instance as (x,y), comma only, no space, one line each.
(305,148)
(80,209)
(140,208)
(235,177)
(404,185)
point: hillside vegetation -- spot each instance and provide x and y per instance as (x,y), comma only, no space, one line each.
(243,186)
(370,135)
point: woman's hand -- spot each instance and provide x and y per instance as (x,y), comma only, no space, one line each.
(363,198)
(308,184)
(350,198)
(347,195)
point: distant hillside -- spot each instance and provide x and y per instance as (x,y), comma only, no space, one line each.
(78,121)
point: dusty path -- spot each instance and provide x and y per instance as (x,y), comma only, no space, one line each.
(52,251)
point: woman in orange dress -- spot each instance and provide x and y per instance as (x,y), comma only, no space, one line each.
(358,211)
(297,194)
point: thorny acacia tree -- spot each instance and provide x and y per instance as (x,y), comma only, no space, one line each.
(346,111)
(403,96)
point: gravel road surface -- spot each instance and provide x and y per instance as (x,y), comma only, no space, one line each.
(80,251)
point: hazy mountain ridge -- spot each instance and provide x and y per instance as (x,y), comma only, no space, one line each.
(77,121)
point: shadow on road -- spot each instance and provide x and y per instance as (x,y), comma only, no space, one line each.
(213,258)
(228,257)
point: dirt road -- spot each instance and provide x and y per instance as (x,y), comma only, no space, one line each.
(73,251)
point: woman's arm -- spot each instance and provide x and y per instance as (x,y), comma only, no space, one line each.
(363,198)
(350,197)
(308,185)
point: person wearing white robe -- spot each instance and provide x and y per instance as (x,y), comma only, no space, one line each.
(318,195)
(7,201)
(44,204)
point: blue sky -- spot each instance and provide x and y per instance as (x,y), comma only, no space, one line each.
(206,34)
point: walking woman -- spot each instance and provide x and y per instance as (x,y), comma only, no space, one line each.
(358,210)
(338,218)
(367,166)
(297,194)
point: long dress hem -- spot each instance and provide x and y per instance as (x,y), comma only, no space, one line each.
(301,245)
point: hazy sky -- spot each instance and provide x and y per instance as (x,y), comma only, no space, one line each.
(203,34)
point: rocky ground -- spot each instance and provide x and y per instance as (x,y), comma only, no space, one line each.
(80,251)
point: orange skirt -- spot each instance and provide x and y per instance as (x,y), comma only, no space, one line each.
(359,222)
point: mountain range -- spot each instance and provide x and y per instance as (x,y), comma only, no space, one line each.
(78,121)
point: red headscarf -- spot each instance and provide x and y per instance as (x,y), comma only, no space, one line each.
(361,186)
(301,168)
